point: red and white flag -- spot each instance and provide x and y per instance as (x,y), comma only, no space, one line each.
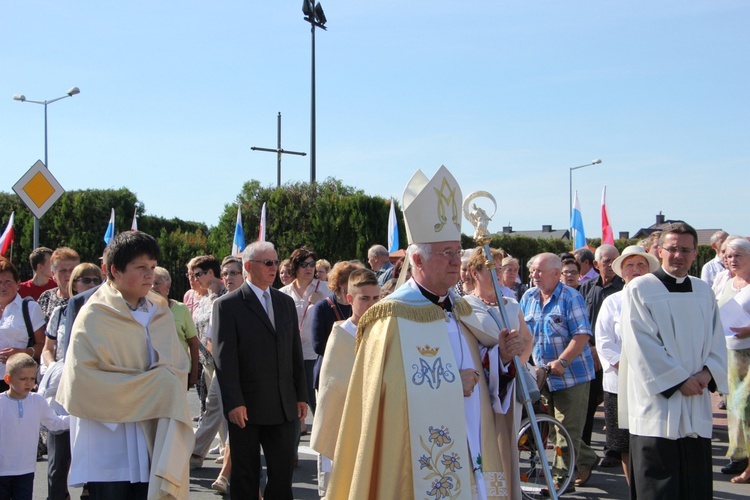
(134,225)
(608,237)
(8,236)
(262,228)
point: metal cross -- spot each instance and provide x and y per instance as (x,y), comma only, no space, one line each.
(279,151)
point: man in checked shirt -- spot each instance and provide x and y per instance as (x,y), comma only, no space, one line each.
(557,318)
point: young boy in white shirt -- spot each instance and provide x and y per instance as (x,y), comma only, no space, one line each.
(21,413)
(362,292)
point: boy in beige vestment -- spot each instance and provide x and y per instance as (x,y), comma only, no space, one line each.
(363,292)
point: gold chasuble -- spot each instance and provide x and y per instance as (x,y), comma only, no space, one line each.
(404,427)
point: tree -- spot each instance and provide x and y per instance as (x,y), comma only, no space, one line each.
(337,221)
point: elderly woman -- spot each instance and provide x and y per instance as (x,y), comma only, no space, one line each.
(186,331)
(516,340)
(483,298)
(725,274)
(15,335)
(463,286)
(193,296)
(328,311)
(63,261)
(508,276)
(477,264)
(633,262)
(735,294)
(84,277)
(306,292)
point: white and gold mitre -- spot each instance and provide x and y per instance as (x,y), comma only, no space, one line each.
(432,207)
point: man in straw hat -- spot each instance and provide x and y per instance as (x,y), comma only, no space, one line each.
(633,262)
(673,354)
(418,418)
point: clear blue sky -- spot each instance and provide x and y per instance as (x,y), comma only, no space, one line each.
(508,95)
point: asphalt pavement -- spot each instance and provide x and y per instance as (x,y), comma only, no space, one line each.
(606,483)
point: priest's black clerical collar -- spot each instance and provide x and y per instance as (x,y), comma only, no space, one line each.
(673,283)
(444,301)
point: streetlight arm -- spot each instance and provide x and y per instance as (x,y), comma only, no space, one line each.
(595,162)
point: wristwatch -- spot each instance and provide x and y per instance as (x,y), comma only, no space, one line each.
(564,362)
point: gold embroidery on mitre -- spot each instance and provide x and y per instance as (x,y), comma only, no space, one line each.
(448,199)
(428,351)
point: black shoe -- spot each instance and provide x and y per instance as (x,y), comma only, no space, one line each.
(735,466)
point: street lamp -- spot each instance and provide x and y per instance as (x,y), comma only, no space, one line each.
(570,211)
(22,98)
(316,18)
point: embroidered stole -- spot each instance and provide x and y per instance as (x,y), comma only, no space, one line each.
(440,456)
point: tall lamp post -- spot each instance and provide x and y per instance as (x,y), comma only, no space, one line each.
(316,18)
(570,197)
(20,97)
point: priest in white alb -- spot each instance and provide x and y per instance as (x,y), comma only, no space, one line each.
(673,356)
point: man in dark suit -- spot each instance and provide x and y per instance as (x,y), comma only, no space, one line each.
(261,373)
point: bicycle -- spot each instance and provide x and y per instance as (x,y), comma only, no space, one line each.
(533,482)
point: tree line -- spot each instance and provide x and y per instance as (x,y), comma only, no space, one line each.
(339,222)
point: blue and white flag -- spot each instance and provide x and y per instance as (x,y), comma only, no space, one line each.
(110,233)
(392,229)
(238,245)
(576,223)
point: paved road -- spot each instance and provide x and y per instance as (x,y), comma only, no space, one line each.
(605,483)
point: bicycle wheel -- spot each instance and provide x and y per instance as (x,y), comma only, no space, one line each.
(557,449)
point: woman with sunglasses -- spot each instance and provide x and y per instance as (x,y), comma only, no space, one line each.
(84,277)
(306,292)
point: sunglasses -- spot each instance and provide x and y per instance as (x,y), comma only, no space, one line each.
(87,281)
(268,263)
(307,264)
(199,274)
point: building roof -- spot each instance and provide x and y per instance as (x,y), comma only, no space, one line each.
(546,232)
(704,235)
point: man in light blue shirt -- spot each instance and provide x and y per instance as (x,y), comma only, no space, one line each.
(557,318)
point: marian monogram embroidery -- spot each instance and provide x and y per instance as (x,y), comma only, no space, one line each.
(432,374)
(447,201)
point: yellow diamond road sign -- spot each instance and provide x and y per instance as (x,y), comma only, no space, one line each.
(38,189)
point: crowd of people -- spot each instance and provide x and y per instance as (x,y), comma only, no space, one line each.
(406,367)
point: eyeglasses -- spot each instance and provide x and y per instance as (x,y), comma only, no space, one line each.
(303,265)
(682,250)
(570,273)
(87,281)
(448,254)
(199,274)
(268,263)
(226,274)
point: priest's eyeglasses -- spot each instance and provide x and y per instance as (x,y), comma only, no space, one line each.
(226,274)
(682,250)
(449,254)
